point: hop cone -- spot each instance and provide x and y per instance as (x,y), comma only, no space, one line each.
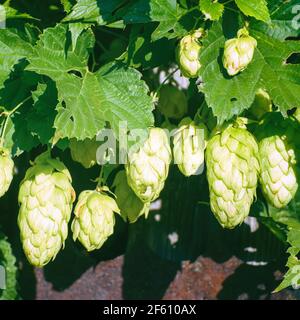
(6,170)
(238,52)
(232,172)
(262,104)
(46,197)
(279,153)
(94,219)
(84,152)
(130,205)
(148,168)
(188,52)
(189,144)
(172,102)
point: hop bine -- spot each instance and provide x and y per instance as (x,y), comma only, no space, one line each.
(94,218)
(6,170)
(232,172)
(172,102)
(148,168)
(189,145)
(130,205)
(188,52)
(46,197)
(279,155)
(238,52)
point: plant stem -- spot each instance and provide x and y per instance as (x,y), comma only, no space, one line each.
(99,185)
(166,79)
(8,114)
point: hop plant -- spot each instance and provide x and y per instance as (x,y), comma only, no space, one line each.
(262,104)
(188,52)
(130,205)
(232,172)
(6,170)
(46,197)
(279,153)
(189,145)
(238,52)
(148,168)
(84,152)
(94,218)
(172,102)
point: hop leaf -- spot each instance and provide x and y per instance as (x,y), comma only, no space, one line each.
(84,152)
(212,9)
(6,170)
(188,52)
(189,144)
(238,52)
(130,205)
(232,172)
(172,102)
(278,154)
(148,168)
(94,219)
(46,197)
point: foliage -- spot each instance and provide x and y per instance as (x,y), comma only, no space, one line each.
(71,69)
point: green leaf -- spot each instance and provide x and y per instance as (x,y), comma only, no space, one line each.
(213,10)
(95,11)
(67,4)
(52,55)
(144,11)
(281,79)
(8,261)
(292,276)
(40,120)
(285,20)
(12,49)
(125,97)
(146,53)
(17,88)
(76,29)
(12,13)
(255,8)
(86,100)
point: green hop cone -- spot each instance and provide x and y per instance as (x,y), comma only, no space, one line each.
(130,205)
(46,197)
(189,145)
(84,152)
(147,169)
(262,104)
(172,102)
(279,153)
(232,172)
(6,171)
(238,52)
(94,219)
(188,52)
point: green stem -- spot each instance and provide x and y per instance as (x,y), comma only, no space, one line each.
(114,34)
(204,203)
(166,79)
(8,114)
(100,179)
